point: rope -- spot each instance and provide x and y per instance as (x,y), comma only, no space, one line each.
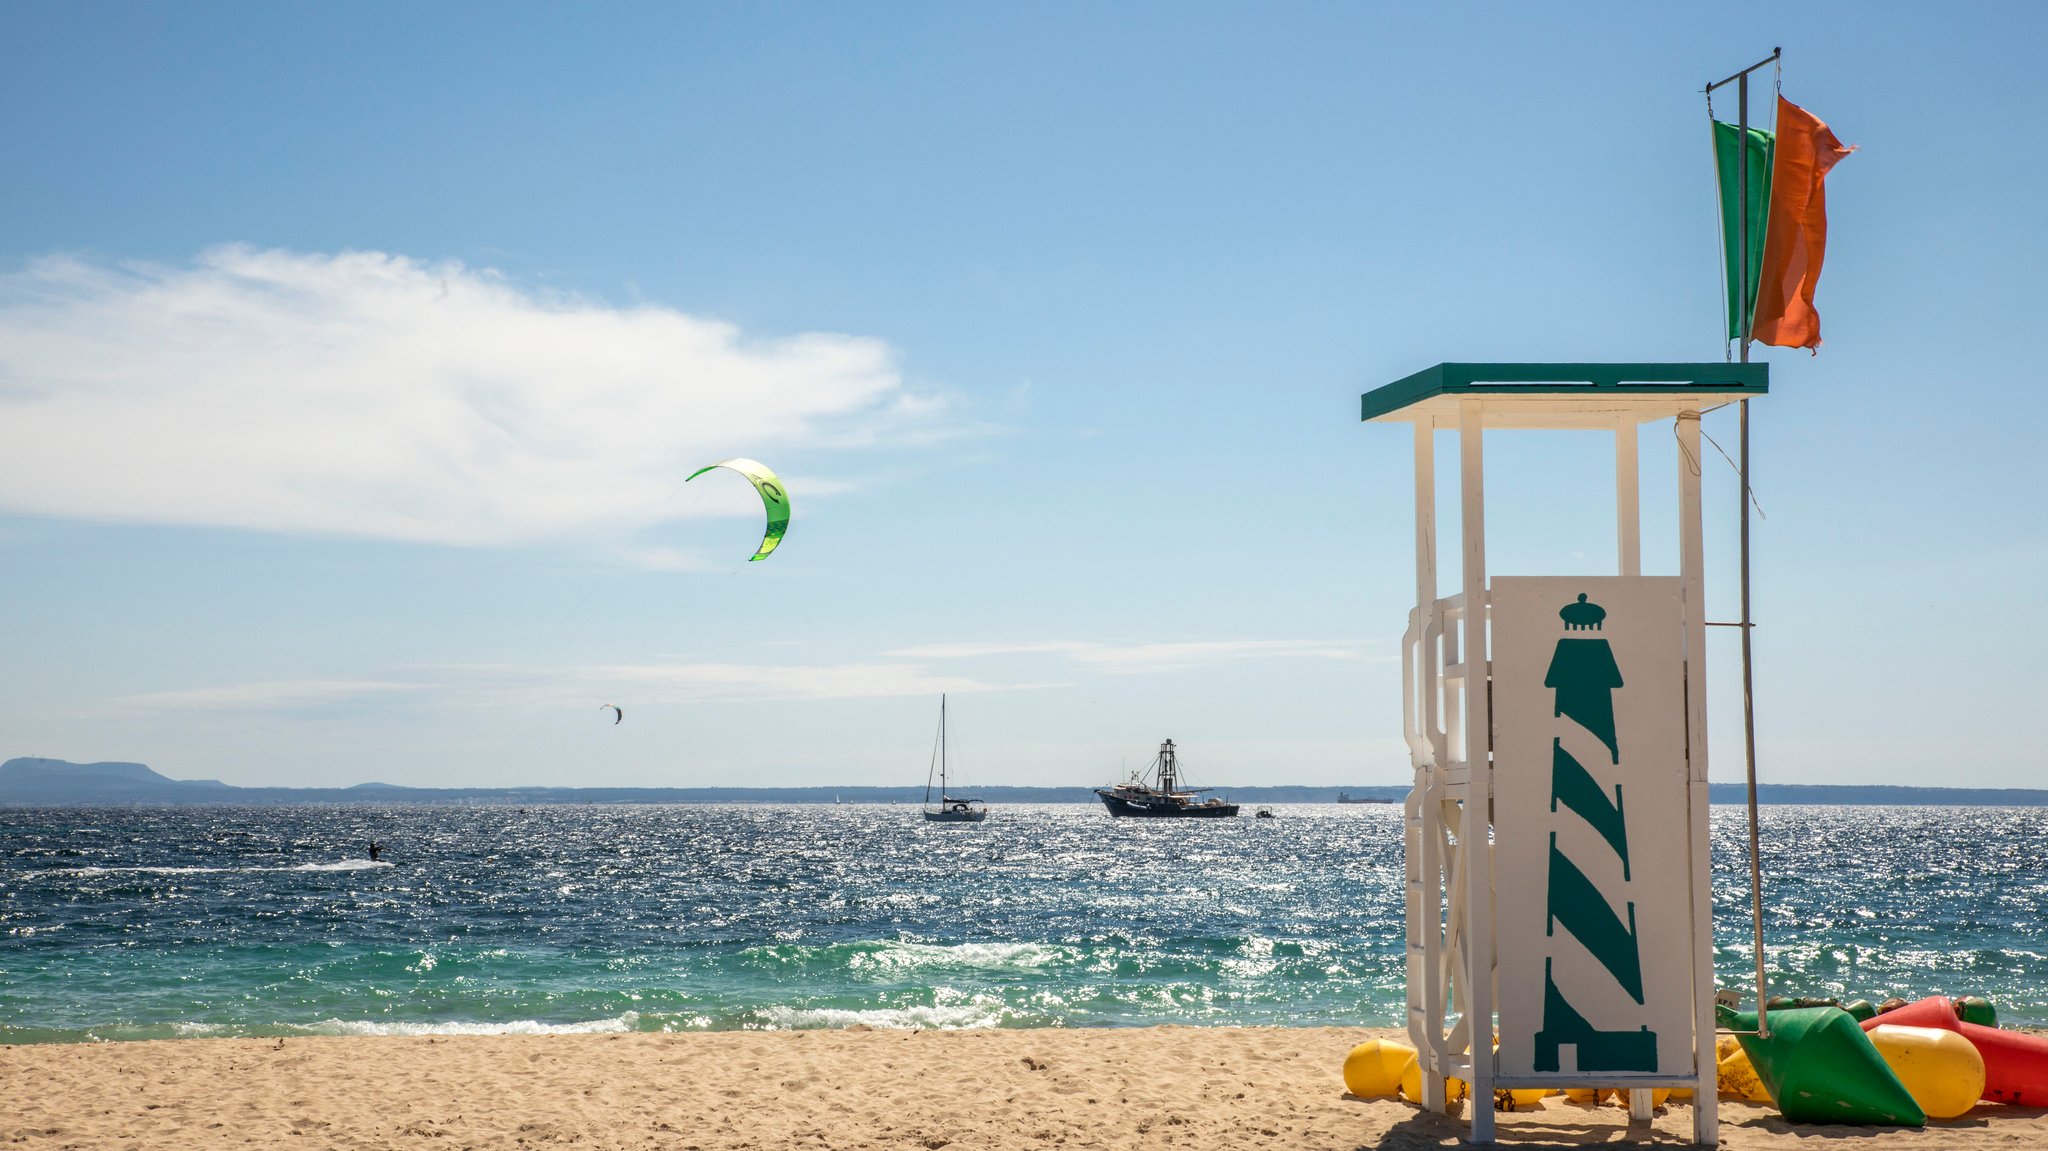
(1746,489)
(1692,462)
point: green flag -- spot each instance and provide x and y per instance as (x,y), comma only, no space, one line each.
(1762,145)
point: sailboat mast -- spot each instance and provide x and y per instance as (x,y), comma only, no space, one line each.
(942,747)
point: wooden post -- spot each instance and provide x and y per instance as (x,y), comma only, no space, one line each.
(1425,519)
(1474,829)
(1692,570)
(1628,514)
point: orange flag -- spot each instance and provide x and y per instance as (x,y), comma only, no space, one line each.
(1798,232)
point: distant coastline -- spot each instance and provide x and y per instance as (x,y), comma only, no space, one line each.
(37,782)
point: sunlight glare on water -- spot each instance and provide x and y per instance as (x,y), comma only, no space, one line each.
(170,922)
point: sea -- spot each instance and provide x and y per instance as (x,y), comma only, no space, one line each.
(168,922)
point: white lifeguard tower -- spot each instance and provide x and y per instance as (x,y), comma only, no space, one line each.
(1562,720)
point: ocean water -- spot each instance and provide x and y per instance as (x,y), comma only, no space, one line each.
(123,923)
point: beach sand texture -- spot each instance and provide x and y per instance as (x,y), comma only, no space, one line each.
(1107,1088)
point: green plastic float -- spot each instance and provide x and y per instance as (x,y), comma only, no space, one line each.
(1977,1009)
(1819,1067)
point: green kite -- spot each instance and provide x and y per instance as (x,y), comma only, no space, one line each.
(773,497)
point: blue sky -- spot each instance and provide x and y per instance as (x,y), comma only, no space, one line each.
(351,358)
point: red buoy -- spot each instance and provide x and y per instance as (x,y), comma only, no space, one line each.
(1933,1011)
(2015,1065)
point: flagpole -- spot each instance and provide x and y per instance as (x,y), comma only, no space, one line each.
(1745,318)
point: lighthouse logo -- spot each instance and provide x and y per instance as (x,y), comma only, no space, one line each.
(1584,676)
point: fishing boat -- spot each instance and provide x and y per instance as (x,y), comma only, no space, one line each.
(951,808)
(1155,793)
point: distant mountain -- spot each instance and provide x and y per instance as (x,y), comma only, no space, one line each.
(54,781)
(31,782)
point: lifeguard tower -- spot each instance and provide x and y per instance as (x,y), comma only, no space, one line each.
(1562,720)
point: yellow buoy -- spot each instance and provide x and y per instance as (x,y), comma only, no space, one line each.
(1585,1094)
(1940,1069)
(1519,1098)
(1375,1067)
(1740,1080)
(1411,1084)
(1456,1089)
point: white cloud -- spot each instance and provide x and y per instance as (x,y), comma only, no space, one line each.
(1131,658)
(373,395)
(267,695)
(493,686)
(743,682)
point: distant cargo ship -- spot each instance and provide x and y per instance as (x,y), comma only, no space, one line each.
(1140,797)
(1345,797)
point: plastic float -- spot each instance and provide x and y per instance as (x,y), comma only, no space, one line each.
(2015,1065)
(1933,1011)
(1411,1085)
(1586,1094)
(1519,1098)
(1383,1068)
(1941,1069)
(1976,1009)
(1736,1075)
(1374,1068)
(1619,1095)
(1819,1067)
(1388,1069)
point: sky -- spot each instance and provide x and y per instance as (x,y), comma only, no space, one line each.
(352,358)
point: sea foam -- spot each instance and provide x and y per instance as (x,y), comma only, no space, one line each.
(628,1021)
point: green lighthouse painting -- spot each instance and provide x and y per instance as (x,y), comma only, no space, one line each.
(1584,677)
(1589,819)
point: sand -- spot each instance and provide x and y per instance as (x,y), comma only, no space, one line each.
(1132,1088)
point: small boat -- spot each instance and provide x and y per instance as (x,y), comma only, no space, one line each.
(1141,798)
(951,808)
(1263,813)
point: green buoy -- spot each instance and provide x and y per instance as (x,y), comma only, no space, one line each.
(1977,1009)
(1820,1068)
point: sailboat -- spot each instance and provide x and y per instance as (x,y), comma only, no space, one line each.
(951,809)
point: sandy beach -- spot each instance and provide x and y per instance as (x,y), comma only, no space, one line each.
(1106,1088)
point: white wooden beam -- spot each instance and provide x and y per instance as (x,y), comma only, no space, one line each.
(1474,839)
(1628,515)
(1706,1126)
(1425,515)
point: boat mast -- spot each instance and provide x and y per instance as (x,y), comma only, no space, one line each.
(1166,767)
(943,797)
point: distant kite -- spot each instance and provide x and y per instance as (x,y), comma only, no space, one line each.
(773,497)
(618,713)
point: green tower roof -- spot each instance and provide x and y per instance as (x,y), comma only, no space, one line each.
(1565,395)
